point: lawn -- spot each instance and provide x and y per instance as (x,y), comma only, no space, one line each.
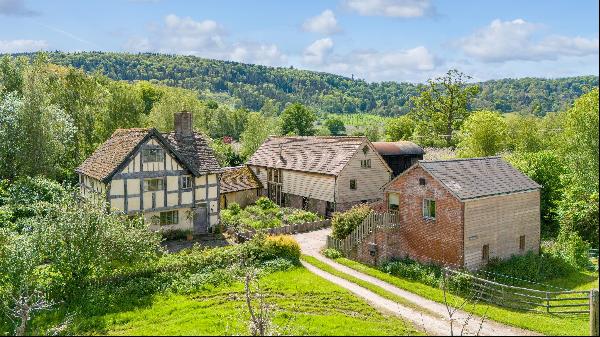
(546,324)
(304,303)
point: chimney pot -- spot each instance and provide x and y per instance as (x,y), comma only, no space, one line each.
(183,124)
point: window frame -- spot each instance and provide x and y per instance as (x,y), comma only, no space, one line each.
(167,218)
(522,244)
(152,155)
(397,206)
(365,163)
(160,185)
(353,185)
(427,207)
(186,178)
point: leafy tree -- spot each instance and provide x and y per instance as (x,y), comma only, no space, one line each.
(482,134)
(336,126)
(400,128)
(443,105)
(524,134)
(226,155)
(297,119)
(150,95)
(258,128)
(546,168)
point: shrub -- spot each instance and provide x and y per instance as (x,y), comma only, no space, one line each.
(344,223)
(299,216)
(332,253)
(429,274)
(570,248)
(265,203)
(234,208)
(283,246)
(176,234)
(531,266)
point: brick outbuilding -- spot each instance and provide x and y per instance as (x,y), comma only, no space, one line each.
(459,212)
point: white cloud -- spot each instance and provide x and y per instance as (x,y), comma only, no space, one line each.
(22,46)
(15,8)
(324,23)
(317,52)
(410,64)
(391,8)
(207,38)
(516,40)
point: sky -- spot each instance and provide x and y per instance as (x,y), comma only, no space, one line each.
(375,40)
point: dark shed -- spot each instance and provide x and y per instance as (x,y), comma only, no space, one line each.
(399,155)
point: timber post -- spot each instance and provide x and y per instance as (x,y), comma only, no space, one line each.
(594,312)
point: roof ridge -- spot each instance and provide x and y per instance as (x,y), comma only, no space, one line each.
(459,159)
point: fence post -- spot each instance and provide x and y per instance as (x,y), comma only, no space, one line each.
(594,312)
(547,302)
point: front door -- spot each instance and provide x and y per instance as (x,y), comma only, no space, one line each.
(200,219)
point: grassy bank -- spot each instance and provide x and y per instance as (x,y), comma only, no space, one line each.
(546,324)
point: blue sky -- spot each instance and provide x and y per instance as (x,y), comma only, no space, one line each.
(377,40)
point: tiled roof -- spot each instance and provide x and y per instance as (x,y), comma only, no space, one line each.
(112,153)
(194,152)
(327,155)
(479,177)
(238,178)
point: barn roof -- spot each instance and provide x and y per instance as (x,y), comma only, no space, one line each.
(238,178)
(402,147)
(193,152)
(478,177)
(326,155)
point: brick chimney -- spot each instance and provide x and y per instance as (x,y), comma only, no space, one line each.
(183,124)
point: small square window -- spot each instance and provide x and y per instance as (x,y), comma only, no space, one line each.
(152,155)
(352,184)
(422,181)
(429,209)
(186,182)
(156,184)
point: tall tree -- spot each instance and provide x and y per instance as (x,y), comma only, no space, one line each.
(258,128)
(400,128)
(482,134)
(443,105)
(298,120)
(336,126)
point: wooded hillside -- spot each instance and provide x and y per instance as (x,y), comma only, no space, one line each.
(269,89)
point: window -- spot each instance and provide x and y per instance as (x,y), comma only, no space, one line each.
(429,209)
(156,184)
(169,218)
(152,155)
(485,254)
(304,203)
(352,184)
(186,182)
(365,163)
(522,242)
(393,201)
(422,181)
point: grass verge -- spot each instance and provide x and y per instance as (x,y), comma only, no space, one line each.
(546,324)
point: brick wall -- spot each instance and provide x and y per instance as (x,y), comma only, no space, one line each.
(416,237)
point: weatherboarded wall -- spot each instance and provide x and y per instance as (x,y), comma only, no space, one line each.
(499,222)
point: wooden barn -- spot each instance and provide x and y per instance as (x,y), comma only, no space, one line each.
(460,212)
(240,185)
(399,155)
(321,174)
(170,178)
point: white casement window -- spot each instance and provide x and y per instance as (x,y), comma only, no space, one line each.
(429,209)
(366,163)
(169,218)
(186,182)
(154,184)
(152,155)
(393,201)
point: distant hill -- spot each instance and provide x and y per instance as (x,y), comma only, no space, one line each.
(259,87)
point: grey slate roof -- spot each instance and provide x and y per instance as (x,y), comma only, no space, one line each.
(326,155)
(478,177)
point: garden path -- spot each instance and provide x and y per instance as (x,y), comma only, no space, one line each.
(433,319)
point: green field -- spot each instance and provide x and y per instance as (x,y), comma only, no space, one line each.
(303,304)
(546,324)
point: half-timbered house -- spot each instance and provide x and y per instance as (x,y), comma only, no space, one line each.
(170,178)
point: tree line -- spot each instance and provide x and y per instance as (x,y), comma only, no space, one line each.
(270,89)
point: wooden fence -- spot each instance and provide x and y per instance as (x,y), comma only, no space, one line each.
(372,222)
(289,229)
(526,299)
